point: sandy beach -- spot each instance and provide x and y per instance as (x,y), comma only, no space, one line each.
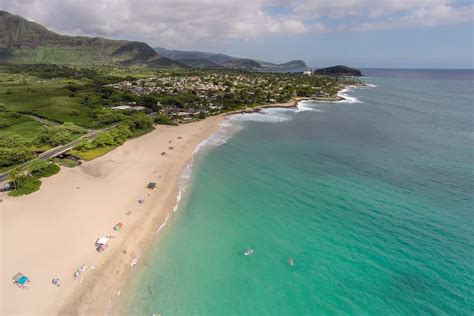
(51,233)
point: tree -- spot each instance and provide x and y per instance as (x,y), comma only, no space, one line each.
(37,165)
(140,121)
(14,155)
(149,100)
(14,177)
(104,139)
(105,117)
(57,135)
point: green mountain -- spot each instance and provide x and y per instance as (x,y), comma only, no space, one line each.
(23,41)
(197,59)
(294,63)
(200,63)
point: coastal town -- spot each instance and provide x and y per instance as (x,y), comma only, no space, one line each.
(186,95)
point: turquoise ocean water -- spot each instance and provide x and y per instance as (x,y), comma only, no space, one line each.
(373,198)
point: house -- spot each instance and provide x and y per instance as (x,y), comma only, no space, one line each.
(128,108)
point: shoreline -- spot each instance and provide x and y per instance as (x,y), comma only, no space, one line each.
(55,228)
(101,287)
(293,103)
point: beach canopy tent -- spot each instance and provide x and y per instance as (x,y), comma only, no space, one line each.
(20,279)
(118,227)
(101,244)
(151,185)
(102,241)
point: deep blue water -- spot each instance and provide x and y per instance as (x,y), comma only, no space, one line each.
(373,199)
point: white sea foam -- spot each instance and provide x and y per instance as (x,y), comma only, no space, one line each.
(220,137)
(164,223)
(370,85)
(347,98)
(304,106)
(269,115)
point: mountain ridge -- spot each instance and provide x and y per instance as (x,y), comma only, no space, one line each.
(24,41)
(226,61)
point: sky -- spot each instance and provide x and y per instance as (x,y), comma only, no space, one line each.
(359,33)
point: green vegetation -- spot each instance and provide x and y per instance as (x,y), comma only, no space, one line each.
(134,126)
(30,182)
(26,185)
(49,71)
(61,134)
(42,168)
(38,114)
(69,163)
(14,150)
(91,154)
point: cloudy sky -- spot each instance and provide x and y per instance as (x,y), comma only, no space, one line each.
(362,33)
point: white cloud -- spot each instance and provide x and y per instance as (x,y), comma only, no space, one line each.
(422,17)
(183,23)
(384,14)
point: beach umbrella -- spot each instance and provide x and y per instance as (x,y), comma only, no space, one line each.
(118,227)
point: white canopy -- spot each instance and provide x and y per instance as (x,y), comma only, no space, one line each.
(102,240)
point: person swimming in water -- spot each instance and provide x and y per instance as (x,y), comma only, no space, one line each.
(291,261)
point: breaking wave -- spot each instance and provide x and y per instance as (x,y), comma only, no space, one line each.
(304,106)
(348,98)
(269,115)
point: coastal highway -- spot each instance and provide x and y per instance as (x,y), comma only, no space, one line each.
(56,151)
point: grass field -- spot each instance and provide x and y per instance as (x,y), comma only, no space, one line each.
(93,153)
(29,129)
(48,99)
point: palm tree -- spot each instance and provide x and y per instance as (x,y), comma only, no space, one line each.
(14,177)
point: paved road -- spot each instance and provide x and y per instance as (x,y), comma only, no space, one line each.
(56,151)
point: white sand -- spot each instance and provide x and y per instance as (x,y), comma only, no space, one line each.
(50,233)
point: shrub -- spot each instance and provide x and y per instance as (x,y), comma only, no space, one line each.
(61,134)
(140,121)
(12,156)
(165,120)
(26,185)
(41,168)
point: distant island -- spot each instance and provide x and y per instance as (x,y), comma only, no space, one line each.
(338,70)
